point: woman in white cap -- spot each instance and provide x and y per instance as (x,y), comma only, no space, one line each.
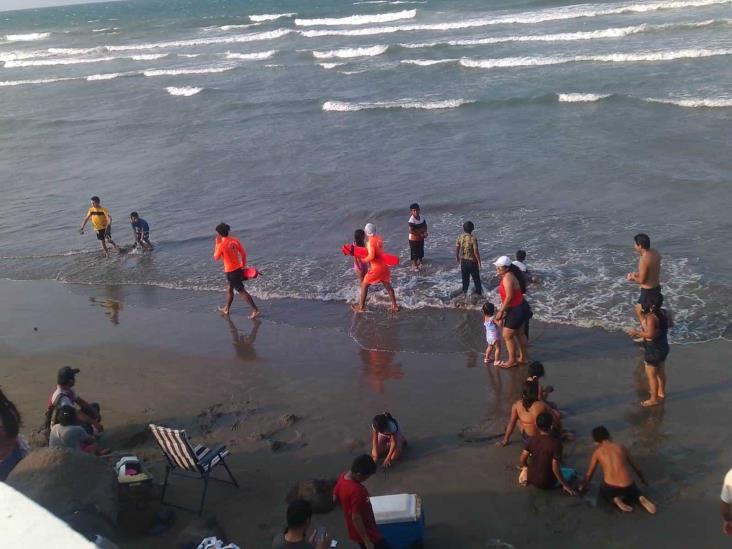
(514,311)
(378,272)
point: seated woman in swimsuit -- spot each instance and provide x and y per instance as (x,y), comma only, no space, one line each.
(514,311)
(526,410)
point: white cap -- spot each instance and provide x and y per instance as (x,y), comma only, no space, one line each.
(503,261)
(520,265)
(369,229)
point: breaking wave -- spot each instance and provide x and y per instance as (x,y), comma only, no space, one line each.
(178,72)
(580,97)
(270,16)
(343,106)
(29,37)
(269,35)
(185,91)
(251,56)
(346,53)
(357,19)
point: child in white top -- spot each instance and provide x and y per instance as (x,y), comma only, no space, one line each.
(492,334)
(417,234)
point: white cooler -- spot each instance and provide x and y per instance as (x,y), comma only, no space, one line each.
(400,519)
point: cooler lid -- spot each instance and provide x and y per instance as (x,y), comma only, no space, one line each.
(396,508)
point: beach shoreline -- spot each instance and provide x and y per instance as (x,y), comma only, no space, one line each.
(161,356)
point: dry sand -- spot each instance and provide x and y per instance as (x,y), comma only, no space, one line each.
(150,355)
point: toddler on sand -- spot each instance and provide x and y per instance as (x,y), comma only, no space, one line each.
(492,334)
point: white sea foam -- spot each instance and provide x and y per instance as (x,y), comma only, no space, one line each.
(251,56)
(106,29)
(346,53)
(531,17)
(73,51)
(270,16)
(19,55)
(343,106)
(580,97)
(427,62)
(29,82)
(358,19)
(694,103)
(179,72)
(52,62)
(331,65)
(185,91)
(107,76)
(236,27)
(189,55)
(239,38)
(28,37)
(149,56)
(530,61)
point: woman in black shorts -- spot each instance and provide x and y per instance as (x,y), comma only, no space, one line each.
(655,323)
(514,311)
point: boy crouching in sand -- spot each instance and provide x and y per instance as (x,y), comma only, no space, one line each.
(492,334)
(617,465)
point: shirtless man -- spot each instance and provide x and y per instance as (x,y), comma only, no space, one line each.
(617,483)
(648,276)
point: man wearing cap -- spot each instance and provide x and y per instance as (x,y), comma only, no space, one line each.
(378,272)
(64,395)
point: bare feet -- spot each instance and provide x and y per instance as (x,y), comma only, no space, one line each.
(255,314)
(224,311)
(618,501)
(357,308)
(394,308)
(507,365)
(647,504)
(651,402)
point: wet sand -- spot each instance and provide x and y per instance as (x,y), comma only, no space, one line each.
(151,355)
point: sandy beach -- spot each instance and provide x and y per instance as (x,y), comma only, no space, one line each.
(150,355)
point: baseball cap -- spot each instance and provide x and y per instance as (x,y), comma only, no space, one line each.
(503,261)
(66,374)
(369,229)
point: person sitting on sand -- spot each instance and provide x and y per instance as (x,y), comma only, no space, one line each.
(492,334)
(88,414)
(648,275)
(526,410)
(655,323)
(353,498)
(359,265)
(417,235)
(513,312)
(67,433)
(617,465)
(378,272)
(536,372)
(235,259)
(102,223)
(541,460)
(468,257)
(141,232)
(387,440)
(725,505)
(295,536)
(13,446)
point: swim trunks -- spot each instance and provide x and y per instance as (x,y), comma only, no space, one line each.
(416,249)
(236,279)
(105,234)
(517,316)
(645,292)
(628,494)
(141,228)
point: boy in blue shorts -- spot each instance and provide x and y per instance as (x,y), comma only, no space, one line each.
(141,230)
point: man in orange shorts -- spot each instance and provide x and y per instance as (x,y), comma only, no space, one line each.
(378,272)
(235,259)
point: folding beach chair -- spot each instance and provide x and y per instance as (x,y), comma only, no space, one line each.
(192,462)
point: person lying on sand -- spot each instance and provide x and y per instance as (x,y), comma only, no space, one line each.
(617,465)
(387,440)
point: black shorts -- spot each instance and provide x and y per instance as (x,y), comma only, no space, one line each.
(645,292)
(236,280)
(416,249)
(143,235)
(628,494)
(104,234)
(517,316)
(654,353)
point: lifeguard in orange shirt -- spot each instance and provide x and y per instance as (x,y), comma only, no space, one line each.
(235,260)
(378,272)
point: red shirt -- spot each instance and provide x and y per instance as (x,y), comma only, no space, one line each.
(233,253)
(354,499)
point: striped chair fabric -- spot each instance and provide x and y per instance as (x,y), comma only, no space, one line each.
(177,448)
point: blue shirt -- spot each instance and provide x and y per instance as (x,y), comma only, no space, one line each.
(141,226)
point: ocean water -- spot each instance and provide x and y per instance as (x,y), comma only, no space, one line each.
(559,128)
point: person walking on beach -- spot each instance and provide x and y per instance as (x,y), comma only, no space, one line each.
(353,498)
(468,257)
(648,275)
(541,460)
(141,232)
(655,322)
(617,467)
(102,223)
(417,235)
(235,259)
(725,505)
(378,272)
(514,311)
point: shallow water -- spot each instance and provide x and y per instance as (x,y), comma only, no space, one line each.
(558,128)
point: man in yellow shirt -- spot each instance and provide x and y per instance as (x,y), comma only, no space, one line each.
(102,223)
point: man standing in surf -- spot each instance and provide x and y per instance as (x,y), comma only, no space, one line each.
(648,276)
(235,259)
(378,272)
